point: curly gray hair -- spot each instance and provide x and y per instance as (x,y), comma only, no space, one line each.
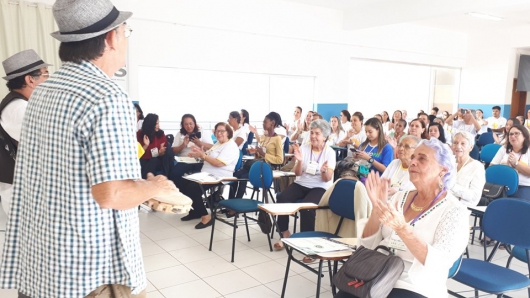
(323,125)
(444,156)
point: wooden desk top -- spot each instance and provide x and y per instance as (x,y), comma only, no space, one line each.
(336,255)
(287,208)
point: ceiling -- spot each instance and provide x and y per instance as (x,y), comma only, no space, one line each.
(443,14)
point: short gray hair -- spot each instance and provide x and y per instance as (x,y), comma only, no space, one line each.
(467,135)
(445,158)
(414,138)
(323,125)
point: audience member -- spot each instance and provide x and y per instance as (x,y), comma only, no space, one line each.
(375,148)
(337,132)
(496,122)
(301,132)
(154,143)
(292,126)
(379,117)
(434,111)
(527,120)
(404,114)
(502,138)
(468,122)
(425,118)
(480,117)
(515,154)
(394,138)
(315,164)
(317,116)
(220,161)
(356,135)
(139,116)
(417,128)
(240,134)
(470,176)
(245,120)
(445,114)
(520,118)
(437,131)
(24,72)
(386,121)
(397,171)
(395,118)
(345,119)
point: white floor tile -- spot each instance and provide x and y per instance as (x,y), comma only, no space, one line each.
(256,292)
(297,286)
(169,277)
(151,248)
(150,287)
(210,267)
(267,272)
(8,293)
(192,254)
(192,289)
(177,243)
(155,294)
(224,247)
(162,234)
(246,258)
(231,282)
(159,261)
(203,237)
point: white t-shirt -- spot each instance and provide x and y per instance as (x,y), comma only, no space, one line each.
(357,140)
(334,138)
(385,127)
(399,177)
(293,126)
(314,181)
(501,158)
(228,153)
(179,139)
(346,125)
(460,125)
(495,123)
(139,124)
(241,133)
(280,130)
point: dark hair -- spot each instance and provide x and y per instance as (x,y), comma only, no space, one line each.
(431,118)
(515,121)
(183,131)
(235,114)
(496,108)
(381,140)
(526,142)
(347,114)
(300,110)
(229,130)
(421,114)
(425,134)
(273,116)
(84,50)
(245,114)
(359,115)
(148,127)
(387,116)
(441,130)
(318,115)
(137,106)
(404,122)
(436,110)
(400,113)
(20,81)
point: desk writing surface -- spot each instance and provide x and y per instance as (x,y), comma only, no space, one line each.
(322,248)
(248,157)
(286,208)
(478,209)
(279,174)
(206,178)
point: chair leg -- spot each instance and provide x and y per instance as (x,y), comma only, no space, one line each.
(234,237)
(474,230)
(295,220)
(467,252)
(214,217)
(272,197)
(319,279)
(246,226)
(289,252)
(331,278)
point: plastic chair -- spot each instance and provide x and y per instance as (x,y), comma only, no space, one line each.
(340,203)
(505,220)
(239,163)
(485,139)
(503,175)
(260,176)
(488,153)
(474,152)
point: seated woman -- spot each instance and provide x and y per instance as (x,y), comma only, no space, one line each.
(395,135)
(220,160)
(301,131)
(279,130)
(240,133)
(154,142)
(427,228)
(417,128)
(315,164)
(470,176)
(502,138)
(515,154)
(139,116)
(326,220)
(188,137)
(269,149)
(356,135)
(337,132)
(375,149)
(397,171)
(436,130)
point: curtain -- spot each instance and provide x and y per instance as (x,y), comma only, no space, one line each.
(23,26)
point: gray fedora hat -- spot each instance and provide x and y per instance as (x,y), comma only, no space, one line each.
(83,19)
(22,63)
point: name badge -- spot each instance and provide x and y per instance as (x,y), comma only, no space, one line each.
(395,242)
(312,168)
(154,152)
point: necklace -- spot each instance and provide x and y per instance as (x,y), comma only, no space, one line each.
(458,168)
(414,207)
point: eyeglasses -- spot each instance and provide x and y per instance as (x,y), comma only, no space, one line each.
(127,31)
(515,134)
(407,147)
(220,131)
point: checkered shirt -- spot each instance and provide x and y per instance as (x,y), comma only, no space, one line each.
(78,131)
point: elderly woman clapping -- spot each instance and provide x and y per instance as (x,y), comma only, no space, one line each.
(427,228)
(397,171)
(315,163)
(470,176)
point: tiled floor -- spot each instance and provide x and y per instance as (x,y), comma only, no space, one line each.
(178,263)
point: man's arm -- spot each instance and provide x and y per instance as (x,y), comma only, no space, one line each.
(127,194)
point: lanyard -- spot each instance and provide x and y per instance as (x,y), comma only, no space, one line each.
(369,152)
(311,156)
(400,169)
(430,205)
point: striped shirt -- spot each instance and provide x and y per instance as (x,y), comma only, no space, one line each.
(78,131)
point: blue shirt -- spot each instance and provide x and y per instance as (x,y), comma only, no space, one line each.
(385,157)
(78,131)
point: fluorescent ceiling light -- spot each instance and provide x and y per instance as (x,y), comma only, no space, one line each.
(485,16)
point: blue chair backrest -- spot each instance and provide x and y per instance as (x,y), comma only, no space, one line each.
(456,266)
(239,163)
(250,138)
(506,220)
(474,152)
(503,175)
(256,174)
(485,139)
(341,199)
(488,152)
(286,146)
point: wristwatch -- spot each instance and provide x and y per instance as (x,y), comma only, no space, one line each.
(371,160)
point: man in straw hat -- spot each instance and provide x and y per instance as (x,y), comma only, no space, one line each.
(24,71)
(73,229)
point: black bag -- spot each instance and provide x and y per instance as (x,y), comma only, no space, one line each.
(491,192)
(369,273)
(248,164)
(264,222)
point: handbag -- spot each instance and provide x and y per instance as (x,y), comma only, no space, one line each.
(490,192)
(369,273)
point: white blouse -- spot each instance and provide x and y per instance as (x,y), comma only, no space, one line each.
(469,184)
